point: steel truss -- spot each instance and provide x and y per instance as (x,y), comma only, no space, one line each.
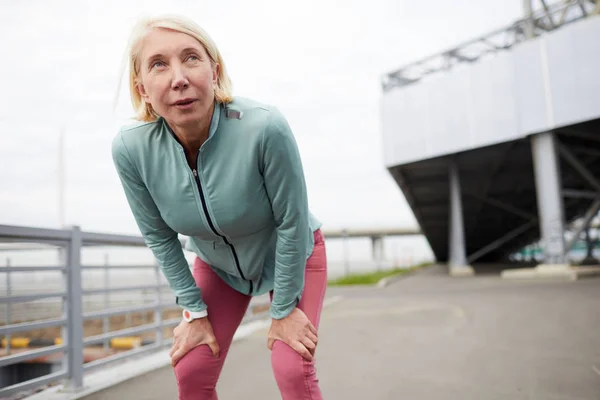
(545,19)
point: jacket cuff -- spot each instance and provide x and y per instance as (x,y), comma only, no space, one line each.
(191,303)
(280,312)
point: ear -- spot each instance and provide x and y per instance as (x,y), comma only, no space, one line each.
(142,91)
(216,70)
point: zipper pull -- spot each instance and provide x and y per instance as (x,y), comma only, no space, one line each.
(195,173)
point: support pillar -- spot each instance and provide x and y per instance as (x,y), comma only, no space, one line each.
(378,251)
(549,198)
(457,249)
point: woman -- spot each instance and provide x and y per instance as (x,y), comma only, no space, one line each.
(226,172)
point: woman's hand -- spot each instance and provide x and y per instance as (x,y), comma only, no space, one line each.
(188,335)
(296,331)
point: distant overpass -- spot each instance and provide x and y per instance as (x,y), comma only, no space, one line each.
(370,232)
(375,234)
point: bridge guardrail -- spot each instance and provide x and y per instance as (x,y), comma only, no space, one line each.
(69,347)
(70,344)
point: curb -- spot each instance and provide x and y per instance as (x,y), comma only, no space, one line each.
(388,280)
(119,373)
(560,272)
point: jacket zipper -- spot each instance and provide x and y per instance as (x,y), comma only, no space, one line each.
(212,227)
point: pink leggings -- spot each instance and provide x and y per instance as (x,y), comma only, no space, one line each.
(198,371)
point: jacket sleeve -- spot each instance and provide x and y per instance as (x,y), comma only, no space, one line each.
(158,236)
(285,185)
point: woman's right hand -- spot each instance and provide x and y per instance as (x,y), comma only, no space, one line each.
(188,335)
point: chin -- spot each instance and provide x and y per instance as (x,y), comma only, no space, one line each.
(186,119)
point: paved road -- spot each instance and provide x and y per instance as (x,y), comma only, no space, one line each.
(431,337)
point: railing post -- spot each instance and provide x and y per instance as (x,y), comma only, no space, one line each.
(105,320)
(8,307)
(158,312)
(74,309)
(345,252)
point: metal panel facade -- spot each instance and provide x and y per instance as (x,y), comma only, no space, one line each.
(539,85)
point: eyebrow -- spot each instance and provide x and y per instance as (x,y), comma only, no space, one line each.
(188,49)
(185,50)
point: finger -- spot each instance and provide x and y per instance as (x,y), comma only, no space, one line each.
(310,346)
(312,327)
(313,337)
(300,349)
(178,355)
(272,337)
(214,346)
(174,348)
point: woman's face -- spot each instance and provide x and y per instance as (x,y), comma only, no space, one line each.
(177,77)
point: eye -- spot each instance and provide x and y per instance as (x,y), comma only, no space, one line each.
(192,57)
(156,64)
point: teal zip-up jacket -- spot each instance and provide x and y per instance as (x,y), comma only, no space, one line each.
(244,208)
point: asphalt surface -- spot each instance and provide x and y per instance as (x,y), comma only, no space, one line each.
(430,336)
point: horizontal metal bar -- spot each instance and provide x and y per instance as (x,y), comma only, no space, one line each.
(30,269)
(7,244)
(130,331)
(28,234)
(28,326)
(105,267)
(124,289)
(30,297)
(29,355)
(125,310)
(122,332)
(170,322)
(120,356)
(32,383)
(105,239)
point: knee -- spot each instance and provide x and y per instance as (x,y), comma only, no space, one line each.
(289,368)
(198,371)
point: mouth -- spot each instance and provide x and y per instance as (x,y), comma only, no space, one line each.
(184,102)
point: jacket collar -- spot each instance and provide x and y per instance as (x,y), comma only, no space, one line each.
(214,123)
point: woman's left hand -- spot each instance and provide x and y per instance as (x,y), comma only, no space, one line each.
(296,331)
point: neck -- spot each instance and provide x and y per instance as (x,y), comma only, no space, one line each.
(193,136)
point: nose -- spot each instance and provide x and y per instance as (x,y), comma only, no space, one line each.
(179,80)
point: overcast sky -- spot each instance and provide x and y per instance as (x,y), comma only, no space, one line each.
(319,61)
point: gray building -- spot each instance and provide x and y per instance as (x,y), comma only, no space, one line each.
(496,143)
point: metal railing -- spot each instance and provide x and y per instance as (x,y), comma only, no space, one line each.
(548,18)
(75,313)
(72,342)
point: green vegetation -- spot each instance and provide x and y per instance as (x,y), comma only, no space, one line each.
(372,278)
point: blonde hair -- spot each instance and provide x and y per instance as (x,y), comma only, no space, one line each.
(144,111)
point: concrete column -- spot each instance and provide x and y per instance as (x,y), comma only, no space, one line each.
(549,198)
(378,250)
(457,248)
